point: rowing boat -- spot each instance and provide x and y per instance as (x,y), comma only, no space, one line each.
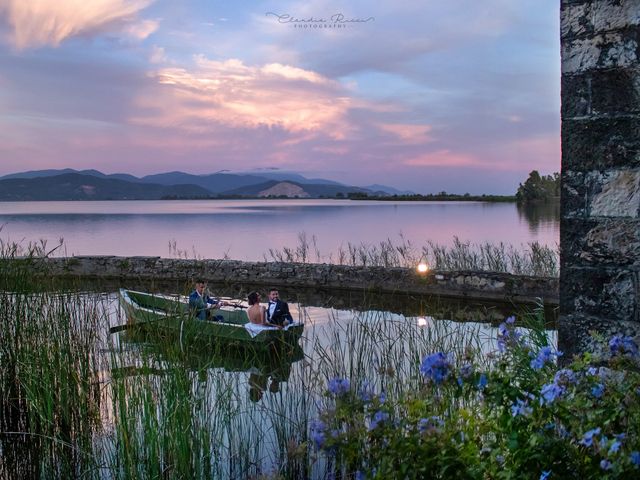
(170,315)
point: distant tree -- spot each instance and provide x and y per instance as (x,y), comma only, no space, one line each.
(539,188)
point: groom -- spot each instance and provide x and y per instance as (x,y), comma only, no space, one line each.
(277,310)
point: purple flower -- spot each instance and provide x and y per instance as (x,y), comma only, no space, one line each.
(521,407)
(587,438)
(436,367)
(360,475)
(623,345)
(339,386)
(597,390)
(465,372)
(545,475)
(430,425)
(635,458)
(564,377)
(507,334)
(592,371)
(318,433)
(545,355)
(615,446)
(482,381)
(605,464)
(378,418)
(365,392)
(550,392)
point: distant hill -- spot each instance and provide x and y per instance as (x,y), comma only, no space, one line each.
(52,172)
(70,184)
(388,190)
(215,183)
(75,186)
(302,190)
(283,176)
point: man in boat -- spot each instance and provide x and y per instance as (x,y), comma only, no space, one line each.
(257,313)
(277,311)
(200,303)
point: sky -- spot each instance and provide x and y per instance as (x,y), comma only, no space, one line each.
(459,96)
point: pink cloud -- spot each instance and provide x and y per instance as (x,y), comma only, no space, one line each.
(37,23)
(232,94)
(408,133)
(443,158)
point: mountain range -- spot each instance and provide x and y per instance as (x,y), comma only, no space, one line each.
(70,184)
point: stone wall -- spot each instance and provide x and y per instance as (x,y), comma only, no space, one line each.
(600,212)
(470,285)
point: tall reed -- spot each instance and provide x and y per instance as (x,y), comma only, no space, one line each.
(49,405)
(76,405)
(533,258)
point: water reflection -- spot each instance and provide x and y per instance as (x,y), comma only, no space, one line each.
(540,216)
(213,229)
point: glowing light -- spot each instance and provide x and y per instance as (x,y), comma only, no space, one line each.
(422,322)
(423,267)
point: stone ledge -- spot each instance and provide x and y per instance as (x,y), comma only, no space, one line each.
(461,284)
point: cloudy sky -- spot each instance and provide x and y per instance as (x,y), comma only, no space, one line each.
(427,95)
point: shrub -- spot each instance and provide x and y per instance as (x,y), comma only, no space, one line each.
(524,417)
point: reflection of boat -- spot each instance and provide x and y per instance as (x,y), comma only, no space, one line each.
(168,315)
(264,363)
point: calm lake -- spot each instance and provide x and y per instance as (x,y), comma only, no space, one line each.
(248,229)
(157,407)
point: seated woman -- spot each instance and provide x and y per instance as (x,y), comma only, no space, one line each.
(256,312)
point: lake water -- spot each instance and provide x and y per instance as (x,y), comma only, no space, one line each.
(248,229)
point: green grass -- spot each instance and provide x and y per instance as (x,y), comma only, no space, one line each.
(78,403)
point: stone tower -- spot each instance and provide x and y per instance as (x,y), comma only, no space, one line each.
(600,213)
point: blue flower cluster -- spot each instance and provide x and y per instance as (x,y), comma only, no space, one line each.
(521,407)
(508,336)
(432,424)
(545,355)
(339,386)
(623,345)
(318,433)
(436,367)
(378,418)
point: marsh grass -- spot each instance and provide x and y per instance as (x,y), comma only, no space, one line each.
(76,403)
(533,258)
(49,406)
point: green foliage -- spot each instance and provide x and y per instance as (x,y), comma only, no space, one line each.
(539,188)
(529,419)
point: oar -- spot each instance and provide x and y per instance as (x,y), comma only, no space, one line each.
(236,305)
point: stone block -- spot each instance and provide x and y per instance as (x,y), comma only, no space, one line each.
(606,292)
(605,92)
(583,18)
(619,195)
(613,193)
(602,51)
(601,242)
(600,143)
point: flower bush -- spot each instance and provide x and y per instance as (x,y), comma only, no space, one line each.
(520,417)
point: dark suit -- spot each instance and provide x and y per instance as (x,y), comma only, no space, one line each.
(280,313)
(199,304)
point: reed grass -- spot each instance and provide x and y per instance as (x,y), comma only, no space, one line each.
(76,403)
(533,258)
